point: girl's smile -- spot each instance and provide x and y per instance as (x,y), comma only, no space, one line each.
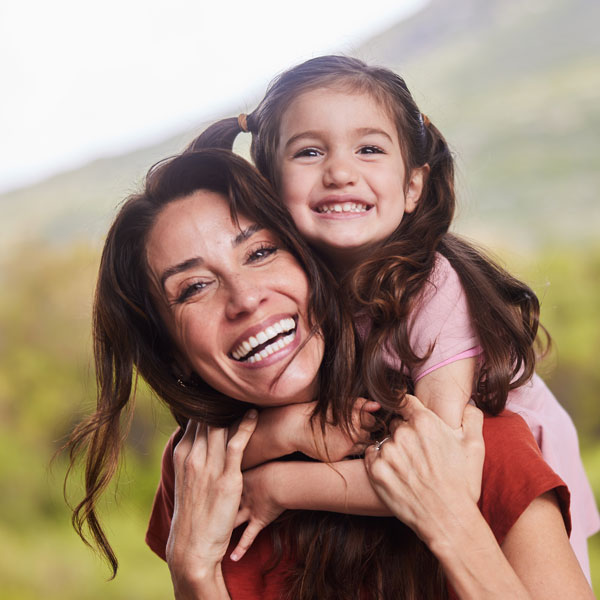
(341,172)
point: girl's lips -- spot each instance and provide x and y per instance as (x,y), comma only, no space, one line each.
(342,206)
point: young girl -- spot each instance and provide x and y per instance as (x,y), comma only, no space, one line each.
(369,182)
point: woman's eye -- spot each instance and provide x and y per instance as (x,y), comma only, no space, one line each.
(307,152)
(261,253)
(192,290)
(371,150)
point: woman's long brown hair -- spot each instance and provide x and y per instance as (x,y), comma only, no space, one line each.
(386,288)
(130,337)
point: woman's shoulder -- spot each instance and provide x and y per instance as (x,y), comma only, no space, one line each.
(514,473)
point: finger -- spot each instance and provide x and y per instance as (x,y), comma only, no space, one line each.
(395,424)
(371,406)
(182,450)
(215,446)
(238,442)
(198,449)
(187,439)
(242,516)
(249,535)
(472,423)
(410,405)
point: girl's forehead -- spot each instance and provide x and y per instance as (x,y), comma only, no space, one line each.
(343,88)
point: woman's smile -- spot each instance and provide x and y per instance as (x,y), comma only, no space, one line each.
(267,340)
(234,301)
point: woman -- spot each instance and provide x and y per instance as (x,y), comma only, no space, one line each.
(193,268)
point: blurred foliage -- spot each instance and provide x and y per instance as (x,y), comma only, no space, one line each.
(515,86)
(46,384)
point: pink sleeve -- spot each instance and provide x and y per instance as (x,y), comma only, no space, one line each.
(441,322)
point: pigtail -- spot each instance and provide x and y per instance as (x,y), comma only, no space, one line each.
(220,135)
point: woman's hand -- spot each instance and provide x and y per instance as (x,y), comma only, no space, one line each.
(427,472)
(258,506)
(208,488)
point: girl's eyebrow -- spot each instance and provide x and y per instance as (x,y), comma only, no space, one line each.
(196,261)
(311,134)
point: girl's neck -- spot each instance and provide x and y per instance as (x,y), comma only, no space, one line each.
(342,261)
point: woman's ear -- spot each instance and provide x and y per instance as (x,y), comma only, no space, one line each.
(414,187)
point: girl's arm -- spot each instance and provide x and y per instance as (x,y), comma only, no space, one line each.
(208,488)
(447,390)
(283,430)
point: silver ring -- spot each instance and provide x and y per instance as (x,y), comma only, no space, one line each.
(381,443)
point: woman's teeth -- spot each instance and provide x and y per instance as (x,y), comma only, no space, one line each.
(342,208)
(285,332)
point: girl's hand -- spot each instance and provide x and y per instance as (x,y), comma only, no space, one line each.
(331,445)
(258,506)
(208,488)
(426,471)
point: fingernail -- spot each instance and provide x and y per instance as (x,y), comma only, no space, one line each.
(252,413)
(234,556)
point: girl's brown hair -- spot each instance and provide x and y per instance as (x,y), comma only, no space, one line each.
(387,285)
(130,337)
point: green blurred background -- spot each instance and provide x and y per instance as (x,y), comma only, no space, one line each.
(516,89)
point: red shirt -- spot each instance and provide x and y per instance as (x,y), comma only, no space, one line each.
(514,474)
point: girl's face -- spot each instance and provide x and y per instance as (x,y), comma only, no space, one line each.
(341,172)
(234,302)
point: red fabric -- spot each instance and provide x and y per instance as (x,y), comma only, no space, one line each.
(514,474)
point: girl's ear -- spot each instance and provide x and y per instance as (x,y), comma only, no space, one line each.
(414,187)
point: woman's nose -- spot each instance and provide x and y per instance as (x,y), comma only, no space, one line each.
(339,172)
(244,295)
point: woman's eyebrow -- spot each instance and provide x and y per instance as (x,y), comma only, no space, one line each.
(244,234)
(179,268)
(196,261)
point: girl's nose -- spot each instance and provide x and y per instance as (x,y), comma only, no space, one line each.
(339,172)
(245,294)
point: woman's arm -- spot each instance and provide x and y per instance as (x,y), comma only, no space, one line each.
(208,488)
(433,488)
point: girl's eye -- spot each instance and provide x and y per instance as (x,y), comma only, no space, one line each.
(307,152)
(192,290)
(370,150)
(261,253)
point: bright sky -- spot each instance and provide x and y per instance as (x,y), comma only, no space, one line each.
(82,79)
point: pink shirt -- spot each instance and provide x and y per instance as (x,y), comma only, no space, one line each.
(442,318)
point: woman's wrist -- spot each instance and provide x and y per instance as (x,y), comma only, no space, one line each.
(466,548)
(205,582)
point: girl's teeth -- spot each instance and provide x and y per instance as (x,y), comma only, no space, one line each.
(253,341)
(346,207)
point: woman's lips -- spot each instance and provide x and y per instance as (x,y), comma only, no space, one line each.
(262,341)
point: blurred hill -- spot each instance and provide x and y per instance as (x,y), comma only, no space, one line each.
(514,86)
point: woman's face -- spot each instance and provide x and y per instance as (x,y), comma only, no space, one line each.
(234,301)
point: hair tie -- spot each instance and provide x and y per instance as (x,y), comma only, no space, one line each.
(243,122)
(425,120)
